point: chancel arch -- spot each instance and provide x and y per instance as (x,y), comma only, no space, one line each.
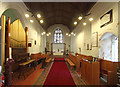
(62,30)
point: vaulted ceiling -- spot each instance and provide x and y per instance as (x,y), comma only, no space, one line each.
(59,12)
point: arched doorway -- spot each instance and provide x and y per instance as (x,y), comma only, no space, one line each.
(108,47)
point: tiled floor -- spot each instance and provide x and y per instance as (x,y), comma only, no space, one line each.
(30,80)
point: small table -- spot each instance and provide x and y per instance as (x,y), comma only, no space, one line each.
(24,65)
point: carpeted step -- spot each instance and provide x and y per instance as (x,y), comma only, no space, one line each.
(59,60)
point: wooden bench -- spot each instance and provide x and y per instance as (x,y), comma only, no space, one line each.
(24,67)
(48,60)
(70,63)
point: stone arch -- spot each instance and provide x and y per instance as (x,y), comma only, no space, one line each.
(14,14)
(108,46)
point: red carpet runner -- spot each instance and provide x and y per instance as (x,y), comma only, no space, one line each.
(59,74)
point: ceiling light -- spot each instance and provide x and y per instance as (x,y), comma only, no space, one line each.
(66,33)
(75,23)
(49,33)
(31,21)
(80,17)
(84,24)
(26,15)
(72,33)
(38,15)
(91,19)
(41,21)
(69,35)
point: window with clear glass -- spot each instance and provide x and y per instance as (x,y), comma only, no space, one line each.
(58,36)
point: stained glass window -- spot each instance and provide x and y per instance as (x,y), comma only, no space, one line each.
(58,36)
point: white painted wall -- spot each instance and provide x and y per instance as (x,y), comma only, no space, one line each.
(84,33)
(65,30)
(32,27)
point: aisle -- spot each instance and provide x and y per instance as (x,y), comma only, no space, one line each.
(59,74)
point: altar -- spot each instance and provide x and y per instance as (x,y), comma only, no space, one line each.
(57,53)
(58,48)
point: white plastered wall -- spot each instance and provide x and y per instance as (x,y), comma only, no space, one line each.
(84,33)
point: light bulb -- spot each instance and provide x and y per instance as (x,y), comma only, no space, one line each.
(75,23)
(38,15)
(90,19)
(84,24)
(80,18)
(26,15)
(31,21)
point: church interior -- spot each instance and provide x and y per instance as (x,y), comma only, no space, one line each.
(59,43)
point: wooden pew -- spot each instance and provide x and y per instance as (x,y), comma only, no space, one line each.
(48,60)
(39,56)
(79,59)
(72,60)
(90,72)
(109,69)
(88,69)
(70,63)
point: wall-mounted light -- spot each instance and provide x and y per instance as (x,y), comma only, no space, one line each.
(75,23)
(83,17)
(84,23)
(41,21)
(26,15)
(47,34)
(31,21)
(66,34)
(72,33)
(44,32)
(80,17)
(69,35)
(38,15)
(90,19)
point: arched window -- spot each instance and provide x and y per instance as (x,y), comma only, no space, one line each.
(58,36)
